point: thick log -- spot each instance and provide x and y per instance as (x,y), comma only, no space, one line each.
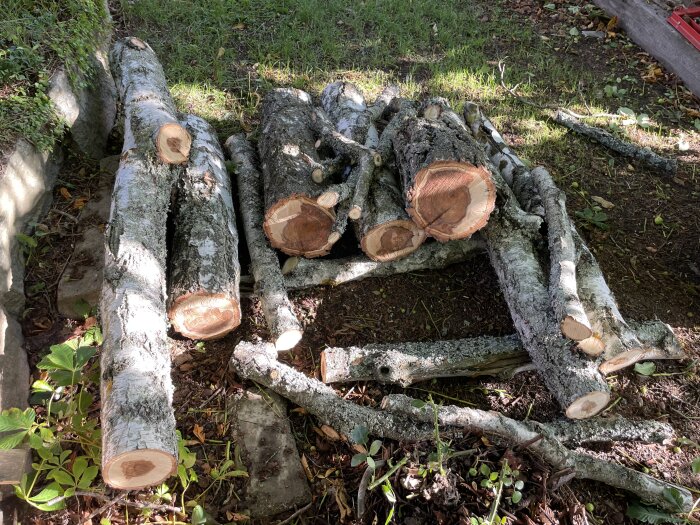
(563,291)
(150,117)
(139,445)
(447,190)
(384,229)
(258,362)
(408,363)
(302,273)
(574,381)
(282,323)
(607,430)
(203,291)
(535,439)
(607,139)
(294,222)
(399,110)
(616,344)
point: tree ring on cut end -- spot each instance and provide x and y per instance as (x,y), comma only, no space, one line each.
(204,316)
(139,469)
(392,240)
(173,144)
(588,405)
(622,360)
(451,200)
(299,226)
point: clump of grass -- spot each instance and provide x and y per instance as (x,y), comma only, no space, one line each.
(37,37)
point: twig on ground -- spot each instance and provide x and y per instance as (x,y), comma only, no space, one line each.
(296,514)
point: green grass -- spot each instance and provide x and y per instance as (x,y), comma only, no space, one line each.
(221,56)
(36,36)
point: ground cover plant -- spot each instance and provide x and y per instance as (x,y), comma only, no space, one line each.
(219,60)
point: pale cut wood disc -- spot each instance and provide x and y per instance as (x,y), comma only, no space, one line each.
(588,405)
(173,144)
(139,469)
(299,226)
(623,360)
(451,200)
(204,315)
(392,240)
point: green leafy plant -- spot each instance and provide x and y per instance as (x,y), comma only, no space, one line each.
(64,437)
(594,216)
(645,369)
(360,435)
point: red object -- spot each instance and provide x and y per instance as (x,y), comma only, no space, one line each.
(687,21)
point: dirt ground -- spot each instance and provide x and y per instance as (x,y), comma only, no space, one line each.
(653,269)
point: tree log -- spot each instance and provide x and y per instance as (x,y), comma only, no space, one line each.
(294,222)
(139,445)
(408,363)
(643,155)
(447,190)
(203,290)
(574,381)
(149,111)
(384,229)
(616,344)
(535,439)
(258,362)
(302,273)
(283,325)
(563,291)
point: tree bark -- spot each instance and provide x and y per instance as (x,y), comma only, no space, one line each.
(294,222)
(447,190)
(258,362)
(408,363)
(535,439)
(284,327)
(384,229)
(139,445)
(574,381)
(204,272)
(302,273)
(563,291)
(149,111)
(643,155)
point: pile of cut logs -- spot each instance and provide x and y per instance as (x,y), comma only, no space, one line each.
(397,171)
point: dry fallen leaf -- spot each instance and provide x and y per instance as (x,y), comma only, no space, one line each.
(612,24)
(79,203)
(603,203)
(330,433)
(199,432)
(65,193)
(307,470)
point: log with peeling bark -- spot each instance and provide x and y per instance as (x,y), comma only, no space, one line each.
(538,441)
(282,323)
(574,380)
(447,190)
(150,117)
(139,444)
(258,362)
(614,342)
(294,222)
(384,229)
(563,291)
(408,363)
(643,155)
(203,285)
(304,273)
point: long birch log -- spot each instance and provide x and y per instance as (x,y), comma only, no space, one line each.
(258,362)
(563,291)
(643,155)
(294,222)
(283,325)
(446,191)
(545,446)
(303,273)
(408,363)
(203,287)
(384,229)
(139,445)
(150,117)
